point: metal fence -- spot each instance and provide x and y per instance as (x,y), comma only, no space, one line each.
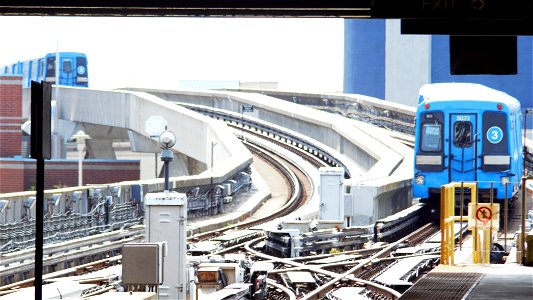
(79,212)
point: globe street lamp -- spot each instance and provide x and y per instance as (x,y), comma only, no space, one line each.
(80,137)
(167,139)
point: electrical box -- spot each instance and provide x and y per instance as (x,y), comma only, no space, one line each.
(142,263)
(166,221)
(331,193)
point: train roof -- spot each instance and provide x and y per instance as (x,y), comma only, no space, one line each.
(455,91)
(67,53)
(64,53)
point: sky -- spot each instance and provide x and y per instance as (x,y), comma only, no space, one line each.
(304,54)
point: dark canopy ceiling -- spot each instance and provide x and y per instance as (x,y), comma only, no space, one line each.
(400,9)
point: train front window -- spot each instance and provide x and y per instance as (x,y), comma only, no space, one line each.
(431,138)
(462,134)
(67,66)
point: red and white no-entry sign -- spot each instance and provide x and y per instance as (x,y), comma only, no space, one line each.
(482,215)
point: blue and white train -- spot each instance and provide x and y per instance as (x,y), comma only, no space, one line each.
(471,133)
(72,69)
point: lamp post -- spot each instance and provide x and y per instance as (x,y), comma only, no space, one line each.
(80,137)
(212,191)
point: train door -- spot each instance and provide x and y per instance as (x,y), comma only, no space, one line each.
(67,75)
(463,158)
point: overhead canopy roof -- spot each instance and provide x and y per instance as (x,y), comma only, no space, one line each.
(396,9)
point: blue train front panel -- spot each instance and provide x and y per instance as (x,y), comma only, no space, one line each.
(72,69)
(467,140)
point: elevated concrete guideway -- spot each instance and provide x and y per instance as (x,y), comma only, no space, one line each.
(381,165)
(121,115)
(385,165)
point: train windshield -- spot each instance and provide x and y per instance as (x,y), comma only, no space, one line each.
(431,138)
(67,66)
(462,136)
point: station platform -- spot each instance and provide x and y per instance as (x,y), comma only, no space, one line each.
(468,281)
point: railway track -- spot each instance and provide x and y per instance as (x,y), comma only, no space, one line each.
(353,272)
(357,274)
(68,258)
(298,194)
(17,266)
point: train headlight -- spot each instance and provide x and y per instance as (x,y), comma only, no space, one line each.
(420,179)
(504,180)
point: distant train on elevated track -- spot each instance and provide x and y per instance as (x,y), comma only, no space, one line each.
(72,69)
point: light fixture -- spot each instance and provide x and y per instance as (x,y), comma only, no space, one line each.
(167,139)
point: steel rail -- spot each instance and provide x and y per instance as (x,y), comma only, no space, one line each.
(71,255)
(322,290)
(289,293)
(77,270)
(296,198)
(51,249)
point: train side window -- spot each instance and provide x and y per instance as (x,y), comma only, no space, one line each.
(462,134)
(26,68)
(431,137)
(34,67)
(41,67)
(50,66)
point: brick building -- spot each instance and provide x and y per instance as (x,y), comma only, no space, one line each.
(18,174)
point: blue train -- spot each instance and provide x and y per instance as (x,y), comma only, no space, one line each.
(72,69)
(467,132)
